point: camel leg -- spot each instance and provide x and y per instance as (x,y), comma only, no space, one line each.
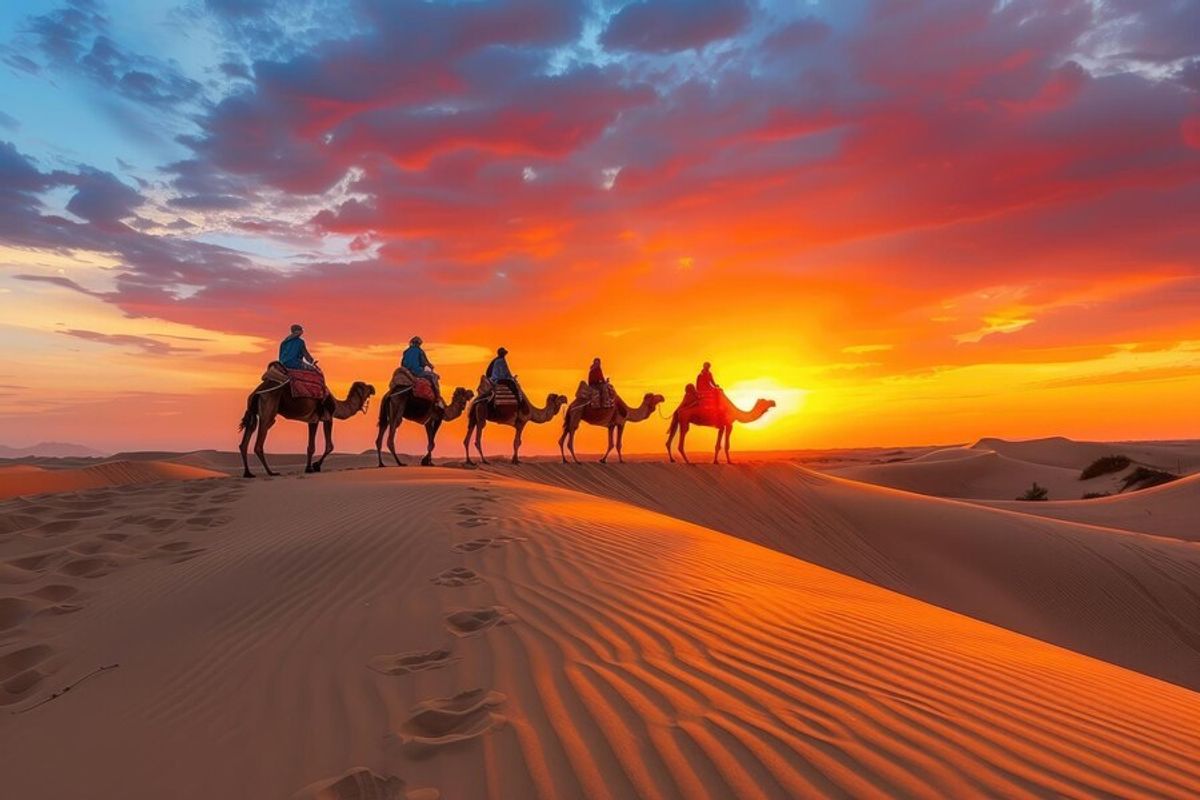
(259,442)
(312,446)
(244,445)
(620,436)
(728,432)
(467,438)
(479,442)
(717,447)
(431,430)
(393,424)
(683,429)
(380,434)
(327,426)
(517,443)
(604,458)
(563,438)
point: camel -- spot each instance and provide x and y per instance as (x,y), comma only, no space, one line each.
(482,412)
(269,401)
(721,417)
(612,418)
(401,405)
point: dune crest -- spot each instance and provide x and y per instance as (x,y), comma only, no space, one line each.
(21,480)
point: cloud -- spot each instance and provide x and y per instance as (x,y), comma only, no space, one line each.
(668,26)
(75,38)
(148,345)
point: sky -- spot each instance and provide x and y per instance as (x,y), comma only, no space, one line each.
(905,221)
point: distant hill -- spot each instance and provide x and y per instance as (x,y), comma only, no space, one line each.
(50,450)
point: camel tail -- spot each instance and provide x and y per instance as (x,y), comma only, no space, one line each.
(672,430)
(383,415)
(250,418)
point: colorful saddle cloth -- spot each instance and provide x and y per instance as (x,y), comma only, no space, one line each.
(422,387)
(496,394)
(307,383)
(595,396)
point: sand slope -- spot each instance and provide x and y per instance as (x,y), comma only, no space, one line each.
(453,629)
(996,469)
(1089,589)
(1172,509)
(976,474)
(1057,451)
(29,480)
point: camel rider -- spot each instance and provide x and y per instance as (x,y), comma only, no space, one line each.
(293,353)
(415,361)
(598,383)
(705,384)
(498,372)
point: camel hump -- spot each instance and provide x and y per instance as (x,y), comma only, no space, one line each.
(401,377)
(276,372)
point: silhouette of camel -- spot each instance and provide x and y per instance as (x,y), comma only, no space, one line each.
(720,415)
(400,405)
(612,417)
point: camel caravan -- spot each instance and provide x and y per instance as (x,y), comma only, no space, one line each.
(294,387)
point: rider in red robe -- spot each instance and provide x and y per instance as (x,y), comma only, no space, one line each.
(704,381)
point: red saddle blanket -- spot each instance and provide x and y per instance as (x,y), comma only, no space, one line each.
(424,390)
(307,383)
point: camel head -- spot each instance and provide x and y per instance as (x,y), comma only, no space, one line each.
(361,390)
(761,406)
(653,400)
(461,396)
(555,402)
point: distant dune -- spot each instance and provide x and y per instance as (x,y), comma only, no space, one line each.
(1172,509)
(995,469)
(422,631)
(50,450)
(28,480)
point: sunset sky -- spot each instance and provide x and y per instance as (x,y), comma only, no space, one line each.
(905,221)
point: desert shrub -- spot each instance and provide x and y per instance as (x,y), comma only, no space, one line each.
(1035,492)
(1144,478)
(1104,466)
(1094,495)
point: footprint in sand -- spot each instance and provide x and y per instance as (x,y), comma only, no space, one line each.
(475,522)
(175,552)
(208,519)
(453,719)
(361,783)
(56,527)
(22,671)
(15,611)
(93,567)
(471,546)
(456,576)
(14,522)
(470,621)
(404,663)
(27,568)
(479,544)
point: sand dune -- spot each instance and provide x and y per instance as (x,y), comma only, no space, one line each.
(995,469)
(976,474)
(1172,509)
(1179,457)
(316,643)
(1089,589)
(24,480)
